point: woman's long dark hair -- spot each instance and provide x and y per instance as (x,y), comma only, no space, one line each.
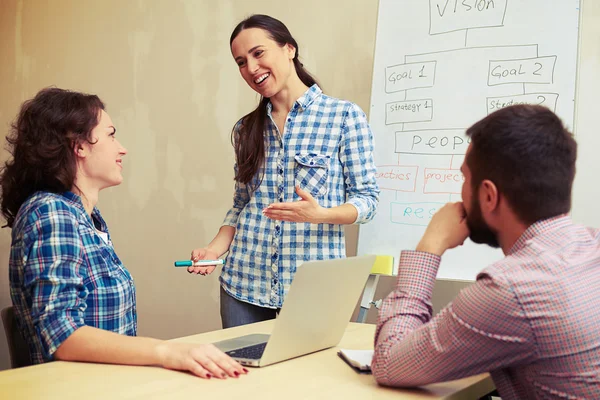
(250,146)
(42,141)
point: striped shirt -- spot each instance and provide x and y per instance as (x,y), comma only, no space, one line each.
(531,319)
(64,275)
(326,148)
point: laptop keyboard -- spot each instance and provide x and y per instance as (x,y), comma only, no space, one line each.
(253,352)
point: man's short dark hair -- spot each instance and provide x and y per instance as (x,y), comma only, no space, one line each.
(527,152)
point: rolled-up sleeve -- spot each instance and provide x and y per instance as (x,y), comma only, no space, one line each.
(53,276)
(356,155)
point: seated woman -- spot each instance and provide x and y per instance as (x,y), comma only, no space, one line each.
(73,298)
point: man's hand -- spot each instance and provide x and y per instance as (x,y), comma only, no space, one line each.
(446,230)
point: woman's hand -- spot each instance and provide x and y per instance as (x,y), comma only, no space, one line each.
(203,254)
(305,210)
(203,360)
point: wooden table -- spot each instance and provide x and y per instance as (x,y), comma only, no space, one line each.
(321,375)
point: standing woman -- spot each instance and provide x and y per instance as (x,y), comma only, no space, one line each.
(73,298)
(304,169)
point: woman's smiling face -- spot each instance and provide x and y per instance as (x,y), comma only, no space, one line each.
(264,64)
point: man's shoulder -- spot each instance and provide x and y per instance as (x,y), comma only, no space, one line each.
(518,267)
(547,260)
(548,244)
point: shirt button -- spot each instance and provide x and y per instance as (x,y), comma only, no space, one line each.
(289,120)
(281,170)
(274,281)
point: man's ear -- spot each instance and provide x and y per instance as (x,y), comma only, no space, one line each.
(489,197)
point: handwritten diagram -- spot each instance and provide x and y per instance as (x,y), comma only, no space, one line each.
(440,66)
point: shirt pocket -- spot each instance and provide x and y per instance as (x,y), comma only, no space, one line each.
(311,173)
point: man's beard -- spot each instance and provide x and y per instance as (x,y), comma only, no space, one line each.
(479,231)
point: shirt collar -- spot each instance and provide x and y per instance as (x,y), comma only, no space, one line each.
(309,96)
(76,201)
(541,227)
(303,101)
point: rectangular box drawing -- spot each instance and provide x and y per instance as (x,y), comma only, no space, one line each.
(526,70)
(442,181)
(454,92)
(455,15)
(400,112)
(542,99)
(409,76)
(433,142)
(402,178)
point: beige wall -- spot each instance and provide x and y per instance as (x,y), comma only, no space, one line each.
(165,71)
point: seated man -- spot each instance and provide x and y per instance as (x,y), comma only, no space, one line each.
(530,319)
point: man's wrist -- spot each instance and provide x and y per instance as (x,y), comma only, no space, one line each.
(431,246)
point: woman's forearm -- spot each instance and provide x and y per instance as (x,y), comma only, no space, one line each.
(345,214)
(220,244)
(100,346)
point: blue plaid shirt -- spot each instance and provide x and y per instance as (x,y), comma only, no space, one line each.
(64,275)
(327,149)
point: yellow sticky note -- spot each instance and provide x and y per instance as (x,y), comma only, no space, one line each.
(384,265)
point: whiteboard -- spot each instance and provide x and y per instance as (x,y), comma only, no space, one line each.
(440,66)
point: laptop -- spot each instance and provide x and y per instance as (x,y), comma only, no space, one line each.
(314,316)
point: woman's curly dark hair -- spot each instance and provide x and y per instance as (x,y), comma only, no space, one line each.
(42,142)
